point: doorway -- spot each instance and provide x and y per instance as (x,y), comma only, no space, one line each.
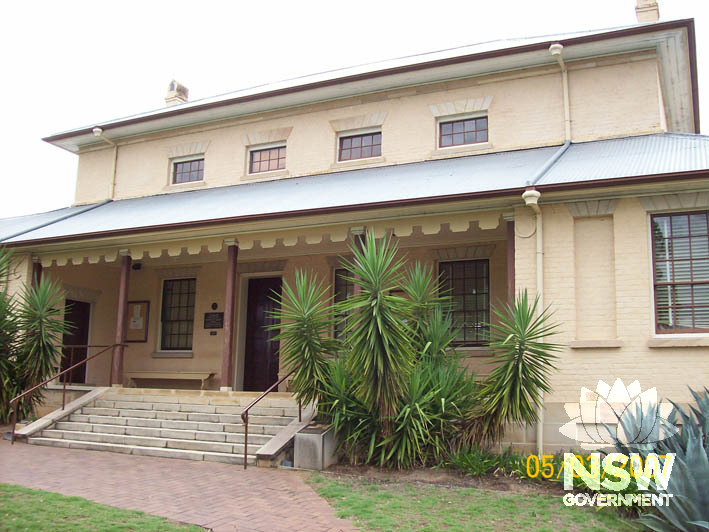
(78,314)
(260,352)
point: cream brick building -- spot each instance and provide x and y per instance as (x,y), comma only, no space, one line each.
(187,216)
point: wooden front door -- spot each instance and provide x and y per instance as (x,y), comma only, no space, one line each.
(261,360)
(78,314)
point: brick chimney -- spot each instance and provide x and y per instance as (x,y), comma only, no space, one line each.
(647,11)
(176,94)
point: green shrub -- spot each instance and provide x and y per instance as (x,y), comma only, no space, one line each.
(30,335)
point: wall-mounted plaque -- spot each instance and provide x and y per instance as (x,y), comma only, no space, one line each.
(138,315)
(213,320)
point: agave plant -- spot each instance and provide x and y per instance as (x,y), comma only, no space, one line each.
(378,332)
(688,510)
(305,321)
(31,331)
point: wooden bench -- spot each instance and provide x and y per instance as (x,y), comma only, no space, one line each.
(174,375)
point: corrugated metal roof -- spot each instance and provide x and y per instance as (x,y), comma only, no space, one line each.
(341,189)
(584,162)
(630,156)
(22,224)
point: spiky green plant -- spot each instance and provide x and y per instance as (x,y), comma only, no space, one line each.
(31,331)
(305,322)
(378,331)
(513,391)
(688,510)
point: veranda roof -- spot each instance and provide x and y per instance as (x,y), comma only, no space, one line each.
(428,181)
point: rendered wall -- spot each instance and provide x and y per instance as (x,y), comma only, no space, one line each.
(613,96)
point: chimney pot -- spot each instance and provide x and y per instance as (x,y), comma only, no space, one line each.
(647,11)
(176,94)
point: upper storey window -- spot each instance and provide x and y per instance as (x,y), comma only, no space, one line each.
(360,146)
(267,160)
(681,258)
(462,132)
(187,171)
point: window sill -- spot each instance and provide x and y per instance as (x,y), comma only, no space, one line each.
(358,163)
(696,341)
(442,153)
(265,175)
(474,351)
(172,354)
(181,187)
(595,344)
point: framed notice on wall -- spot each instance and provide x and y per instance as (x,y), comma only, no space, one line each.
(138,314)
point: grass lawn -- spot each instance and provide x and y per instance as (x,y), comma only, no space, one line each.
(23,509)
(420,507)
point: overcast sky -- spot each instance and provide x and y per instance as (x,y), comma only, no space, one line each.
(76,63)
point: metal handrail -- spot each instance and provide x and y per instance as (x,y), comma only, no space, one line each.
(14,402)
(245,412)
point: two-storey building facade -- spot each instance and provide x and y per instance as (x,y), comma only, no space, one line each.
(570,166)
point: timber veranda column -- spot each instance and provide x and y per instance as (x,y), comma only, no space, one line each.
(121,319)
(510,220)
(358,235)
(227,375)
(36,271)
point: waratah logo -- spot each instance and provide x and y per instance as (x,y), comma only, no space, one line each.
(594,419)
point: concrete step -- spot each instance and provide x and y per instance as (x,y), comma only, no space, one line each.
(185,416)
(147,432)
(254,428)
(162,452)
(142,441)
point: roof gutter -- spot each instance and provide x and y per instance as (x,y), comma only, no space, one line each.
(50,222)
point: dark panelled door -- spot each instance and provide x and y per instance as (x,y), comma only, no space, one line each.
(78,314)
(261,360)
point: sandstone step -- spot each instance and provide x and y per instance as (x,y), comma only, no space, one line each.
(235,410)
(141,441)
(82,420)
(207,397)
(216,418)
(144,451)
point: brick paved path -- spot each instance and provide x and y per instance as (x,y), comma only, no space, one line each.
(222,497)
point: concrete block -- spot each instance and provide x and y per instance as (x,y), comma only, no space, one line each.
(315,449)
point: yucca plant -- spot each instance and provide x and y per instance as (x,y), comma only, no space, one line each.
(305,321)
(31,331)
(378,333)
(513,391)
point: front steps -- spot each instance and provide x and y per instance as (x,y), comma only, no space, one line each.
(185,424)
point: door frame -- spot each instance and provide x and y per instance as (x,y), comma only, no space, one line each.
(240,336)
